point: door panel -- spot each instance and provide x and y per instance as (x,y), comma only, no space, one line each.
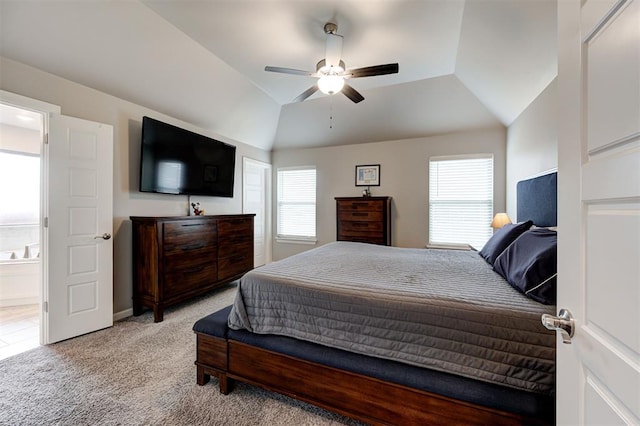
(256,196)
(79,199)
(599,211)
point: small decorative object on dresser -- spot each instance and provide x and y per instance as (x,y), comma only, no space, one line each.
(180,257)
(364,219)
(197,211)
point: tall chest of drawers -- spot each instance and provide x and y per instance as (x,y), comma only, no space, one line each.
(364,219)
(177,258)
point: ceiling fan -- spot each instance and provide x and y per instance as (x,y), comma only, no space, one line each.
(331,72)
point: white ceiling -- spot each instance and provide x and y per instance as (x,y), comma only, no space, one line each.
(463,65)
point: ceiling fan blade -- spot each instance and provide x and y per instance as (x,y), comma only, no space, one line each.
(333,51)
(304,95)
(289,71)
(373,70)
(352,93)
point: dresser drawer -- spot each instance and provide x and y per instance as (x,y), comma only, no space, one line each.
(189,255)
(350,227)
(187,276)
(236,247)
(234,243)
(189,235)
(357,206)
(367,216)
(234,265)
(364,239)
(235,228)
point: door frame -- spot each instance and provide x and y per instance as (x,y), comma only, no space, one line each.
(45,109)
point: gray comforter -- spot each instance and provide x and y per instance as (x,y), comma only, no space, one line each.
(441,309)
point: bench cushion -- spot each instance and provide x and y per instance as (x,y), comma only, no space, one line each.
(214,324)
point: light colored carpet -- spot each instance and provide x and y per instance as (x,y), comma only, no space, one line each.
(139,373)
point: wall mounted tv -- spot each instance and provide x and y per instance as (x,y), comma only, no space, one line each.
(177,161)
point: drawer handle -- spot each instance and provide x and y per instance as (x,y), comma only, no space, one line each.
(356,205)
(192,224)
(193,270)
(192,247)
(359,214)
(361,224)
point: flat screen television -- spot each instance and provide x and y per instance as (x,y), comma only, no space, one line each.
(177,161)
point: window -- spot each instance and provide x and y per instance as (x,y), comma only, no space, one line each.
(460,200)
(20,206)
(297,204)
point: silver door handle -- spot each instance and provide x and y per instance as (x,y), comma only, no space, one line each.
(104,236)
(563,323)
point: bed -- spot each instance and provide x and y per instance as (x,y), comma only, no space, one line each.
(449,336)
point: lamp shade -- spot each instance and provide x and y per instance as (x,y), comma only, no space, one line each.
(330,84)
(500,220)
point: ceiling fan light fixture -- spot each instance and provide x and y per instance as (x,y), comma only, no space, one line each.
(330,84)
(331,71)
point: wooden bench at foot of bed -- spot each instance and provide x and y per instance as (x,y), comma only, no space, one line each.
(361,397)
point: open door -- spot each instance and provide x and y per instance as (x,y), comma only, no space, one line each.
(256,196)
(599,211)
(78,227)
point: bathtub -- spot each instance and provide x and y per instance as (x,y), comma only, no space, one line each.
(19,282)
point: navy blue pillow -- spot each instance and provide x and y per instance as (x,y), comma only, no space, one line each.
(530,264)
(502,238)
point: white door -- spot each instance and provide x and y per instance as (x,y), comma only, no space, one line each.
(599,211)
(79,199)
(255,199)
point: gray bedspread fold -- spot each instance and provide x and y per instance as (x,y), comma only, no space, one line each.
(442,309)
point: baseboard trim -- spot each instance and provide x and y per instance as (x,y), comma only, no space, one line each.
(122,314)
(19,301)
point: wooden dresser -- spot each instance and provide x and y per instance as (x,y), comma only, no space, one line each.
(179,257)
(364,219)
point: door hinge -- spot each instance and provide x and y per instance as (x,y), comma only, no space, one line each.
(45,222)
(45,306)
(46,138)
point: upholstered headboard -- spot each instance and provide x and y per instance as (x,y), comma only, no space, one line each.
(537,200)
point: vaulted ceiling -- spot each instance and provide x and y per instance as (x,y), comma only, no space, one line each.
(463,64)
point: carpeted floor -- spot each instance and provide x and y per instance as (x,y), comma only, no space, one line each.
(138,373)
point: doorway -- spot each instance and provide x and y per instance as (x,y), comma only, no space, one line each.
(21,133)
(256,198)
(74,252)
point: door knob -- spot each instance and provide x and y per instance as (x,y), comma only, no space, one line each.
(563,323)
(104,236)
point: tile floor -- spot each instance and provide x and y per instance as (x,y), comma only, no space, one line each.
(19,329)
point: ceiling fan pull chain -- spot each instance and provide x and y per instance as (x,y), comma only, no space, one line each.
(331,112)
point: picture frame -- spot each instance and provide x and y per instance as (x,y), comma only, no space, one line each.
(368,175)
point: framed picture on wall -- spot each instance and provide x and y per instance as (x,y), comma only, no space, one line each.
(368,175)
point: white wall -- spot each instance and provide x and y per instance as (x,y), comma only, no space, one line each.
(126,118)
(532,142)
(403,176)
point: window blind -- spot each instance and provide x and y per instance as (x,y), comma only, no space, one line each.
(296,203)
(460,200)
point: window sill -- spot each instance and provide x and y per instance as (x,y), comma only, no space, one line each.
(441,246)
(296,241)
